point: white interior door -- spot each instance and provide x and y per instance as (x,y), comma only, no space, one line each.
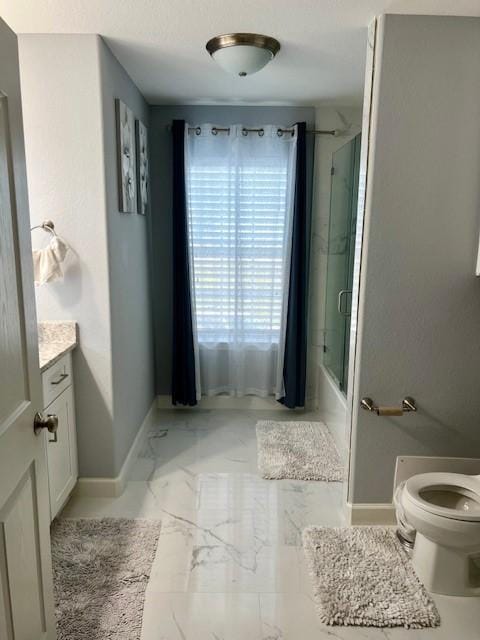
(26,602)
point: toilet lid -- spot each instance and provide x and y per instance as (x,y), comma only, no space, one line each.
(451,495)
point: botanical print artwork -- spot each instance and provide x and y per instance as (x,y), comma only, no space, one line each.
(142,167)
(127,190)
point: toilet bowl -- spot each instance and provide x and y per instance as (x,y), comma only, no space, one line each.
(444,508)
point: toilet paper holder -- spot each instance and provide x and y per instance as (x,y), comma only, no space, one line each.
(408,405)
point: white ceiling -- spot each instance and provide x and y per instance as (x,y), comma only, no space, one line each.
(161,43)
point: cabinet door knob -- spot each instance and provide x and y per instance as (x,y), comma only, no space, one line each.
(48,422)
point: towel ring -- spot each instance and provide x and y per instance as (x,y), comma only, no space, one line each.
(47,225)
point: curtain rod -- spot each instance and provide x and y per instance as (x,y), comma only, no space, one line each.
(260,131)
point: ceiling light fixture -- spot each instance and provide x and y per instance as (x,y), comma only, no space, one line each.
(242,53)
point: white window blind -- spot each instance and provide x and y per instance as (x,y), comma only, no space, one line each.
(238,192)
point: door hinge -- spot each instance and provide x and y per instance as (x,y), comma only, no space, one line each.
(332,171)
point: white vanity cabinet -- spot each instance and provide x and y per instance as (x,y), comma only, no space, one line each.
(57,384)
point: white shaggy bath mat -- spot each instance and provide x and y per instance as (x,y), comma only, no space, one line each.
(362,577)
(100,572)
(297,450)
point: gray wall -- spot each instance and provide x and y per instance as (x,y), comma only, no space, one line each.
(130,300)
(419,304)
(69,83)
(60,80)
(161,172)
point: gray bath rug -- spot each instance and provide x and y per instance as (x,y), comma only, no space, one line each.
(297,450)
(362,577)
(101,570)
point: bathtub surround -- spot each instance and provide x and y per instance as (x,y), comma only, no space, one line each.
(297,450)
(363,577)
(101,569)
(330,402)
(106,288)
(419,302)
(332,407)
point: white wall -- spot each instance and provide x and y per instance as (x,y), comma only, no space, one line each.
(62,111)
(330,404)
(67,86)
(419,303)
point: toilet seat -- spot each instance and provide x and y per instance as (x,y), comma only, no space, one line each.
(422,489)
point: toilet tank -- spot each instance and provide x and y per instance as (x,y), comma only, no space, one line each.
(408,466)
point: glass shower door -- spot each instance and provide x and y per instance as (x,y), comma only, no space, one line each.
(341,249)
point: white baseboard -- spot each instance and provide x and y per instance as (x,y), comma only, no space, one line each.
(363,514)
(114,487)
(225,402)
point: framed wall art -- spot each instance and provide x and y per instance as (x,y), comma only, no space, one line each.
(127,187)
(142,168)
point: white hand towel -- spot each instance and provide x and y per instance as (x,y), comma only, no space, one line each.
(47,262)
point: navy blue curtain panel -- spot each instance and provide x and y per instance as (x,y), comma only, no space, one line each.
(183,360)
(295,362)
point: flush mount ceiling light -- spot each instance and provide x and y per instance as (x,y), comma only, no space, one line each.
(242,53)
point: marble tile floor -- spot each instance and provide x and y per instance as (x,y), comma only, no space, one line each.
(229,564)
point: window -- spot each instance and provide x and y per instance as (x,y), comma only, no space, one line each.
(238,195)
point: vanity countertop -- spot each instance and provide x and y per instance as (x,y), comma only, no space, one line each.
(55,339)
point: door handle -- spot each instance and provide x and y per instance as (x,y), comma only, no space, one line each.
(341,293)
(48,422)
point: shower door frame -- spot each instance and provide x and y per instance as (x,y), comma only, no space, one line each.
(340,376)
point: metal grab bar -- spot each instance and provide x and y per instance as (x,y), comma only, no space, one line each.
(408,405)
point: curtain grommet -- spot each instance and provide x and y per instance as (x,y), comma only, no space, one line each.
(214,131)
(261,132)
(244,132)
(198,131)
(280,133)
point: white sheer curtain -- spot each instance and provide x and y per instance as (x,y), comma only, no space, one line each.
(240,191)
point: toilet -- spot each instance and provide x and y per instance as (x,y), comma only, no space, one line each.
(444,508)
